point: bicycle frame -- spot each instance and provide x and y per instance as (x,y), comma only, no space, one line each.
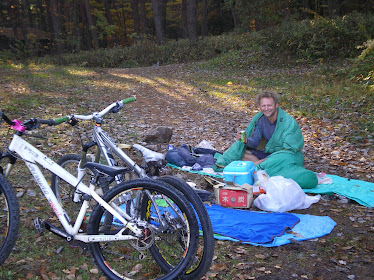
(31,156)
(106,144)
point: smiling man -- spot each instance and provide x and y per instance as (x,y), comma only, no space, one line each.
(263,130)
(273,142)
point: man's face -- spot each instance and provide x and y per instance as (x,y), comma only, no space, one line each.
(268,106)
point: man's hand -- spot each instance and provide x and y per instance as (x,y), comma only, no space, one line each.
(239,137)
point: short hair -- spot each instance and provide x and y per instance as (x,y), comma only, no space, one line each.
(267,94)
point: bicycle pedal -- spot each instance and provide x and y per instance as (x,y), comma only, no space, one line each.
(39,225)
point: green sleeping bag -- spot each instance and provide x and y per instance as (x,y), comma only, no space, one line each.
(285,147)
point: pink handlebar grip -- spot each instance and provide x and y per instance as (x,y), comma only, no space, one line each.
(18,126)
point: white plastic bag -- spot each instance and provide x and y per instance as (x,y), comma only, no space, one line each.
(283,195)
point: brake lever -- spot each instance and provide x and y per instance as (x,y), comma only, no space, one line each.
(31,123)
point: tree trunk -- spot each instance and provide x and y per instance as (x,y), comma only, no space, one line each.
(143,17)
(77,30)
(204,23)
(191,19)
(108,14)
(306,7)
(234,14)
(135,15)
(334,8)
(157,16)
(184,19)
(24,7)
(91,26)
(56,24)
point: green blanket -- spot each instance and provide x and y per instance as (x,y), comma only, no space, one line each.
(285,147)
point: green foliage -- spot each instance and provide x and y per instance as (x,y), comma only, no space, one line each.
(146,52)
(363,70)
(310,40)
(321,38)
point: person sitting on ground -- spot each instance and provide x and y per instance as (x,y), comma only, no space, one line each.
(273,142)
(264,128)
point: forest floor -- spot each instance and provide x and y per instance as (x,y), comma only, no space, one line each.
(199,105)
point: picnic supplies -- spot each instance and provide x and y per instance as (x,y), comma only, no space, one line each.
(283,195)
(250,226)
(187,156)
(255,231)
(239,172)
(233,195)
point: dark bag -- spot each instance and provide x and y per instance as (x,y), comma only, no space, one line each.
(185,156)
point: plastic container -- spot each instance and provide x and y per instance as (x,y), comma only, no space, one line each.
(239,172)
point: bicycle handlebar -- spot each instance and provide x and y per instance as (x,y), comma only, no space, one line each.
(6,119)
(35,122)
(32,123)
(113,108)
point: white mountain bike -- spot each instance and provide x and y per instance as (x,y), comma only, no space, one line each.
(162,227)
(108,152)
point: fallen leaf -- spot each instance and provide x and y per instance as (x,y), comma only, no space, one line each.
(94,271)
(218,267)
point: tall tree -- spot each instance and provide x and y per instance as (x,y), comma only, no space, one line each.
(184,19)
(56,24)
(135,15)
(191,20)
(25,23)
(77,31)
(91,25)
(159,21)
(143,17)
(204,18)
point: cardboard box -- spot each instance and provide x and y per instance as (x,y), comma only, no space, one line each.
(239,172)
(233,195)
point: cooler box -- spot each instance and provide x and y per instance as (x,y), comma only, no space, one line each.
(239,172)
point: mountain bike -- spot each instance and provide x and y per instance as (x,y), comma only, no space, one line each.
(162,227)
(110,153)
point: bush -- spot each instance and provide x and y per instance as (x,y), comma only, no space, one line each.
(363,67)
(311,40)
(321,38)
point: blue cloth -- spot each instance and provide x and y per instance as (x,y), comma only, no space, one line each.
(309,227)
(249,226)
(360,191)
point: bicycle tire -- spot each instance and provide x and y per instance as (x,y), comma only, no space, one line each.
(112,263)
(62,190)
(206,249)
(9,218)
(63,162)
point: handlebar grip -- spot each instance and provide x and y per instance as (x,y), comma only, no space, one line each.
(52,122)
(129,99)
(61,120)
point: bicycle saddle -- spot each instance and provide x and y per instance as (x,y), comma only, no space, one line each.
(111,171)
(148,154)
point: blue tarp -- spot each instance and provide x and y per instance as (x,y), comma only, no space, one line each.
(357,190)
(256,228)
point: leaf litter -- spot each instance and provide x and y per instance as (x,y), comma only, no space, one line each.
(199,107)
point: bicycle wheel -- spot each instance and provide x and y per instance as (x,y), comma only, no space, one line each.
(205,252)
(169,225)
(9,218)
